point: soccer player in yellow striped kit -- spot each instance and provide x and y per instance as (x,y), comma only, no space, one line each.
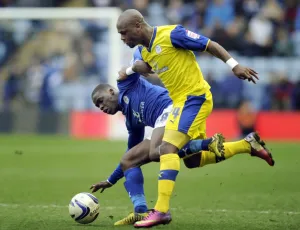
(168,51)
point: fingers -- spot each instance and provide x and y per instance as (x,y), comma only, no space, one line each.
(250,78)
(250,75)
(94,188)
(102,190)
(253,73)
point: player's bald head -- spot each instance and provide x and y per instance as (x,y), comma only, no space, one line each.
(132,28)
(105,97)
(100,88)
(129,17)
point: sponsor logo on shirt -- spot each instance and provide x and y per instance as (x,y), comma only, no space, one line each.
(156,69)
(192,34)
(137,115)
(158,49)
(126,99)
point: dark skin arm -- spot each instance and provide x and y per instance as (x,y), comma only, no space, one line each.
(140,67)
(214,49)
(240,71)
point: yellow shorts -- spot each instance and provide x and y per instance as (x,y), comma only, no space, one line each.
(188,119)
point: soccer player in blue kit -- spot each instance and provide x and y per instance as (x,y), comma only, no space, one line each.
(145,104)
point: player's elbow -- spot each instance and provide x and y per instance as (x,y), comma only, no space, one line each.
(212,46)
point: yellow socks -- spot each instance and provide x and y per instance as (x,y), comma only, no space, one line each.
(169,168)
(236,147)
(231,149)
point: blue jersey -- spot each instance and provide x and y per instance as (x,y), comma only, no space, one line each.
(142,103)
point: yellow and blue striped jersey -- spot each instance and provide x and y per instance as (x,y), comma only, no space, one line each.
(170,54)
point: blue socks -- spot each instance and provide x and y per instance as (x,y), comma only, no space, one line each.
(204,145)
(134,186)
(194,147)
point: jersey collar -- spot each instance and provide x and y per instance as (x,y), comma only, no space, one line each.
(120,102)
(152,38)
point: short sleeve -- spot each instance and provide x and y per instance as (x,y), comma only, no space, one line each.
(136,135)
(137,55)
(186,39)
(129,82)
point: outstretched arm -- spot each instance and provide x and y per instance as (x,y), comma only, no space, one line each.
(135,137)
(241,72)
(185,39)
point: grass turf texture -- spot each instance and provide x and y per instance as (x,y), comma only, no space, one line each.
(39,175)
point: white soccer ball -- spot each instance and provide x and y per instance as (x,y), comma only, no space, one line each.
(84,208)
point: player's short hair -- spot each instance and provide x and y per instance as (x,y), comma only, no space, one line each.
(100,88)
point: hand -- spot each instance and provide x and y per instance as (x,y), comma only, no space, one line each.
(122,74)
(103,184)
(142,67)
(245,73)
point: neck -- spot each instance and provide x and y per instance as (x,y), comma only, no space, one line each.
(147,36)
(119,107)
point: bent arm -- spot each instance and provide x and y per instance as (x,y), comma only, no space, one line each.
(135,137)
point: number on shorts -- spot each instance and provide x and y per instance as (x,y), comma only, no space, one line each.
(164,117)
(175,112)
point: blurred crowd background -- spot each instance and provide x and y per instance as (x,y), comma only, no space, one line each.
(53,65)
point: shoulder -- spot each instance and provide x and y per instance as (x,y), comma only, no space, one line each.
(165,31)
(128,82)
(166,27)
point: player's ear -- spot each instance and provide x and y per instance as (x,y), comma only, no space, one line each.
(111,92)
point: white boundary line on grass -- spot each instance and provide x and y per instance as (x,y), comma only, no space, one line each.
(124,207)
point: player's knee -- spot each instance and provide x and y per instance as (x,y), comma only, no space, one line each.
(125,163)
(166,148)
(154,155)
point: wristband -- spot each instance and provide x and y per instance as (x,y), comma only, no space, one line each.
(232,63)
(109,182)
(129,71)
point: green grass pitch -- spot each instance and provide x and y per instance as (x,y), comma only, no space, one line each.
(39,176)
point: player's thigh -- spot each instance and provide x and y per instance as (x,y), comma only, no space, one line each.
(156,140)
(189,117)
(198,127)
(136,156)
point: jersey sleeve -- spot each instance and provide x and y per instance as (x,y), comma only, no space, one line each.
(132,79)
(186,39)
(129,82)
(136,135)
(137,55)
(116,175)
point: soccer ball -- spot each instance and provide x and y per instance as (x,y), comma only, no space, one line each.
(84,208)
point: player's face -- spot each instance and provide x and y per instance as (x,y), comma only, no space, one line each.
(130,33)
(107,101)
